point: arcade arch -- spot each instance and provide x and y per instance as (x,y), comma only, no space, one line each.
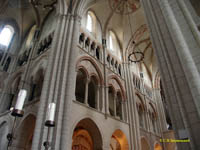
(25,138)
(86,136)
(144,144)
(119,141)
(157,146)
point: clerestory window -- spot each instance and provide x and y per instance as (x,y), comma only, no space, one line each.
(89,22)
(6,35)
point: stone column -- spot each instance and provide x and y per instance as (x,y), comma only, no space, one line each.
(107,100)
(105,88)
(86,91)
(102,99)
(148,121)
(126,111)
(161,111)
(177,51)
(122,107)
(97,97)
(115,105)
(131,109)
(59,82)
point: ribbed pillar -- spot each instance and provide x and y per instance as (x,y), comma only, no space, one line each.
(131,109)
(97,97)
(102,99)
(161,111)
(115,105)
(178,58)
(107,100)
(69,88)
(86,92)
(40,132)
(123,111)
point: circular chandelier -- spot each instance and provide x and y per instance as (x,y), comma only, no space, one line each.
(136,55)
(124,7)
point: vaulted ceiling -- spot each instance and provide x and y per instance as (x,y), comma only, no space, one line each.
(129,26)
(125,18)
(23,14)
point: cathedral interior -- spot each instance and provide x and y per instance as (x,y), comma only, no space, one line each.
(99,74)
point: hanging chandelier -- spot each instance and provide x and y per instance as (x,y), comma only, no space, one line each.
(136,55)
(126,7)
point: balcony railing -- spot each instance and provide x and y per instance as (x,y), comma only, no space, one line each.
(94,48)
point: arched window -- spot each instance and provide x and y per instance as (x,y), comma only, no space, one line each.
(141,115)
(92,90)
(6,35)
(89,22)
(114,45)
(153,118)
(92,24)
(36,85)
(119,106)
(111,41)
(111,96)
(80,86)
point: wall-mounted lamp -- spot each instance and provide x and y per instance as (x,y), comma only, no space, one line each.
(17,112)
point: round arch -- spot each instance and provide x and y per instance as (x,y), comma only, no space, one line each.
(93,63)
(25,138)
(157,146)
(86,134)
(119,141)
(141,101)
(114,77)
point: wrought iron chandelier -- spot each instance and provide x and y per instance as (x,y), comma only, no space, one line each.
(126,7)
(136,55)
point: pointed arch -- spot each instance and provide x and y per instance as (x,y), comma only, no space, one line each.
(141,100)
(119,83)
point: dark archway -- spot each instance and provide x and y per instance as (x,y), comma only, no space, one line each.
(111,96)
(36,85)
(3,135)
(86,136)
(80,85)
(25,132)
(119,141)
(119,106)
(157,146)
(92,92)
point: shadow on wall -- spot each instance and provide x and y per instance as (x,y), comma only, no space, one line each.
(3,135)
(25,132)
